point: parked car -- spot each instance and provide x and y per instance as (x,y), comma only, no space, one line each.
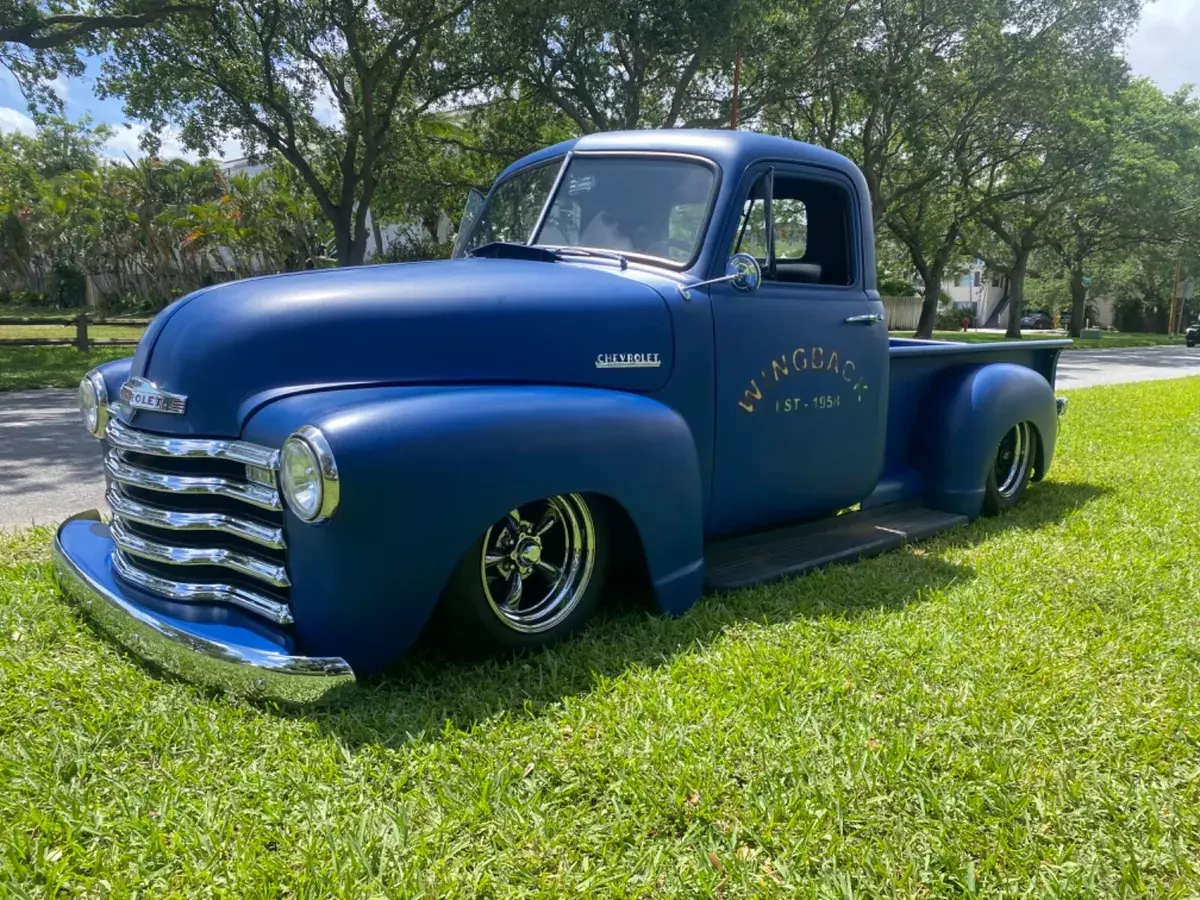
(655,352)
(1192,337)
(1037,320)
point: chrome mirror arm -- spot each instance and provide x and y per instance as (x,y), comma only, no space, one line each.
(743,270)
(686,290)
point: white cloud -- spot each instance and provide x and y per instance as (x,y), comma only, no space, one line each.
(14,120)
(125,141)
(61,87)
(325,107)
(1164,46)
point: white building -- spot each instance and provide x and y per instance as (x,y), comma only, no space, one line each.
(982,293)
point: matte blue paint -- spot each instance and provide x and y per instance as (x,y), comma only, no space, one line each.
(367,580)
(965,414)
(451,392)
(529,322)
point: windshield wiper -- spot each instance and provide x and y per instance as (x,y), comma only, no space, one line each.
(587,251)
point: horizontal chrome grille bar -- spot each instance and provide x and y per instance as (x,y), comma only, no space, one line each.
(254,494)
(186,592)
(125,438)
(145,514)
(137,545)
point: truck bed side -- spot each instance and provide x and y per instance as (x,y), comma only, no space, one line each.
(916,366)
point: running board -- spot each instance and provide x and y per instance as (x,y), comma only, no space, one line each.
(767,556)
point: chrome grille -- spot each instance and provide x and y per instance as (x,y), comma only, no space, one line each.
(190,524)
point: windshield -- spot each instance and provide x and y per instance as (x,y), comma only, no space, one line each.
(654,207)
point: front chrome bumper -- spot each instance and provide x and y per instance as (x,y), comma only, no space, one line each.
(211,645)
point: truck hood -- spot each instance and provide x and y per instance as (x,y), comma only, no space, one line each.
(230,349)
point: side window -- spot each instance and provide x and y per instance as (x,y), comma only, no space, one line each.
(513,210)
(811,226)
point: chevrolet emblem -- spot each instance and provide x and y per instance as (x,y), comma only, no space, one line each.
(140,393)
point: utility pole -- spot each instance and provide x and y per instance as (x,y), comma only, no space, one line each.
(1171,319)
(734,106)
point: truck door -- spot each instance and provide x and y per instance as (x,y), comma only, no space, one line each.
(802,363)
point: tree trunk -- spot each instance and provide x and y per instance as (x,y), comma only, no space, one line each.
(929,306)
(358,247)
(1016,294)
(1078,299)
(343,237)
(375,230)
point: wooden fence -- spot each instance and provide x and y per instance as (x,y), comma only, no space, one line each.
(80,340)
(903,313)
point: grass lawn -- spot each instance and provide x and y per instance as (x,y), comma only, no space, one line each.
(95,332)
(24,368)
(1012,709)
(1110,341)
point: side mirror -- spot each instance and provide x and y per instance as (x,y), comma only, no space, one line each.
(743,272)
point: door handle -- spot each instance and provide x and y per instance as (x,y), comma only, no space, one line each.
(868,319)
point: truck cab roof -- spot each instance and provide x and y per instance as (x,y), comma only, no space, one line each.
(732,151)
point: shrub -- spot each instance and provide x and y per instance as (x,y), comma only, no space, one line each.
(415,251)
(950,319)
(892,285)
(66,285)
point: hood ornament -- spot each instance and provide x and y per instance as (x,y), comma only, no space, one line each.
(141,393)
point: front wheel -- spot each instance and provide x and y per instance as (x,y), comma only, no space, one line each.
(532,578)
(1011,469)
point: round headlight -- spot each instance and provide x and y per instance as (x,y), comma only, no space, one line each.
(308,475)
(93,403)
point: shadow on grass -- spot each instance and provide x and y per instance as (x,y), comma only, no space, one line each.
(426,693)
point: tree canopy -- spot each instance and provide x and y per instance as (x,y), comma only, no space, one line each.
(1007,131)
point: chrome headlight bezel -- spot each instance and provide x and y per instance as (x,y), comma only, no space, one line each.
(316,473)
(93,403)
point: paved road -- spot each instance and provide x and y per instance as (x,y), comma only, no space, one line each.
(1088,368)
(50,468)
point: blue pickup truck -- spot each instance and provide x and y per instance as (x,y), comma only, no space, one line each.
(655,353)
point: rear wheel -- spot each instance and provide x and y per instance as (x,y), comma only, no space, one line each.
(531,579)
(1011,469)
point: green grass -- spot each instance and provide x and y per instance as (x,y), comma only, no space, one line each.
(1110,341)
(25,368)
(1010,710)
(95,332)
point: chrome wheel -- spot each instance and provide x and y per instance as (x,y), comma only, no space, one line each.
(537,562)
(1014,460)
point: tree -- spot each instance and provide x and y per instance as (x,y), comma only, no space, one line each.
(921,96)
(1143,194)
(616,64)
(38,39)
(450,153)
(262,71)
(1053,161)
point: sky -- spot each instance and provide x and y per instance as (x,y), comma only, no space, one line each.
(1163,49)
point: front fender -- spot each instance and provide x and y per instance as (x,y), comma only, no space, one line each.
(424,472)
(115,373)
(965,414)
